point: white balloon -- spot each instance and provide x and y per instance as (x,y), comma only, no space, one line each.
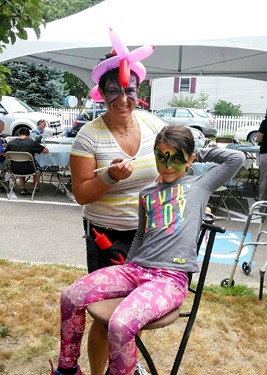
(72,101)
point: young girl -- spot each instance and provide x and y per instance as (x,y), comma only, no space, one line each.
(154,277)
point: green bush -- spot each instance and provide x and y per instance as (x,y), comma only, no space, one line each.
(189,101)
(223,108)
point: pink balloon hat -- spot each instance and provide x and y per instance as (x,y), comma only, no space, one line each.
(124,60)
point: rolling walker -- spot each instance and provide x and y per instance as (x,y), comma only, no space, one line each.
(257,210)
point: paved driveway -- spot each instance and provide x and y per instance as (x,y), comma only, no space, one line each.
(47,229)
(42,232)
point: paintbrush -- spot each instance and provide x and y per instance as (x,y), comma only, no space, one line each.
(112,165)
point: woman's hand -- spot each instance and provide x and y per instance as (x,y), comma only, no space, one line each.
(120,169)
(88,186)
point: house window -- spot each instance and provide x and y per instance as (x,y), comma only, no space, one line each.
(184,85)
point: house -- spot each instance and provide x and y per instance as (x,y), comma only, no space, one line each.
(250,94)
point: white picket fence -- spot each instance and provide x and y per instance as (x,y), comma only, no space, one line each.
(67,115)
(225,125)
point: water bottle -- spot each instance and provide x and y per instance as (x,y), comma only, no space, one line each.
(67,130)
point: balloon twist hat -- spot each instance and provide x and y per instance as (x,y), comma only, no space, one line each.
(124,60)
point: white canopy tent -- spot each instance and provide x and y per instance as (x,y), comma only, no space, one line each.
(195,37)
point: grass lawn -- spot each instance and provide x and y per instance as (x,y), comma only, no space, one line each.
(229,335)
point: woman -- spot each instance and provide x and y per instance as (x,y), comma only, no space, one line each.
(154,277)
(262,142)
(110,197)
(38,133)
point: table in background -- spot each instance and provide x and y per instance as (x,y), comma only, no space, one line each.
(59,140)
(57,162)
(58,156)
(248,149)
(252,152)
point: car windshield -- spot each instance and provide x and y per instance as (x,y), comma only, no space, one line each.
(201,113)
(15,105)
(90,104)
(165,112)
(182,113)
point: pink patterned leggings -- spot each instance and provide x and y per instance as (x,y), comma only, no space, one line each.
(151,293)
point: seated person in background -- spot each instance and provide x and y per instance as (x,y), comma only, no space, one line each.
(2,154)
(38,133)
(3,162)
(2,127)
(262,142)
(3,143)
(26,144)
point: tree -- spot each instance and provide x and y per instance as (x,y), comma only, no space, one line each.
(189,101)
(57,9)
(4,88)
(50,10)
(144,89)
(223,108)
(76,87)
(16,16)
(37,85)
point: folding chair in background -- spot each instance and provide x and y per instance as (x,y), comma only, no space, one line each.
(21,157)
(3,172)
(3,167)
(64,177)
(233,189)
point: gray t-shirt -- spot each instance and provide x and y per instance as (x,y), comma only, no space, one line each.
(171,214)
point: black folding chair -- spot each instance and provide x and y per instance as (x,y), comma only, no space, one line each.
(103,310)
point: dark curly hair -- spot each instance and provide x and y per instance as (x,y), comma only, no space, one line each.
(178,137)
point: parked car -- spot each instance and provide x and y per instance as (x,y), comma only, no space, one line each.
(84,116)
(247,133)
(199,137)
(16,115)
(193,117)
(87,115)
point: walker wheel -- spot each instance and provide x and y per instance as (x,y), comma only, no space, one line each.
(225,283)
(246,268)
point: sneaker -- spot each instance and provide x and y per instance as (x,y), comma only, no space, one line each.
(140,370)
(37,190)
(23,192)
(56,372)
(256,198)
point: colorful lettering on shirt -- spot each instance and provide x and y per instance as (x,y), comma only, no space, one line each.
(179,260)
(168,158)
(165,208)
(113,89)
